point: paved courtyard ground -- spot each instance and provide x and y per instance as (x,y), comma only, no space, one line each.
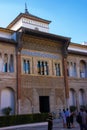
(57,125)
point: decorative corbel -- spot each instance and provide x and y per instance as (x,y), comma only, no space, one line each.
(19,40)
(65,48)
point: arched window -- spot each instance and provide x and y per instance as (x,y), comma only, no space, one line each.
(7,99)
(74,70)
(82,69)
(81,97)
(71,69)
(1,63)
(5,62)
(72,98)
(11,63)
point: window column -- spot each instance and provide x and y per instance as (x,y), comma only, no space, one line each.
(47,71)
(27,67)
(78,69)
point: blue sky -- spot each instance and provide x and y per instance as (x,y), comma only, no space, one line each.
(69,17)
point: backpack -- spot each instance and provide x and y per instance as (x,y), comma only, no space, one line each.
(79,118)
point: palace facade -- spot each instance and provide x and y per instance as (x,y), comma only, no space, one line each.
(40,71)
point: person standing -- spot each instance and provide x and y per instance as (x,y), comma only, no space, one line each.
(50,121)
(64,118)
(86,119)
(79,119)
(82,119)
(84,116)
(67,114)
(72,118)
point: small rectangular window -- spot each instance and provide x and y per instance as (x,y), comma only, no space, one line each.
(11,63)
(26,66)
(57,69)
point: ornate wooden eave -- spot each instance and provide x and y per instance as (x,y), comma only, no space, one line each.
(44,35)
(57,38)
(77,52)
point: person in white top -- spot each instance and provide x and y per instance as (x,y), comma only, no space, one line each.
(64,118)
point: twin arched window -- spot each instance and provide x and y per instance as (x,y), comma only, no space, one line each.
(6,63)
(72,97)
(72,69)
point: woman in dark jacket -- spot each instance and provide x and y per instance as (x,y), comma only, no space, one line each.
(72,119)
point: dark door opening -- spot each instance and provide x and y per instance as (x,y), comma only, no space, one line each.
(44,104)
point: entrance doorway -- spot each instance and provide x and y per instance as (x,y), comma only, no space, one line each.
(44,104)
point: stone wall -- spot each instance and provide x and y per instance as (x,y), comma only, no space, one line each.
(34,85)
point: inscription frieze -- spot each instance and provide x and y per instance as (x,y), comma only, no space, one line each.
(39,54)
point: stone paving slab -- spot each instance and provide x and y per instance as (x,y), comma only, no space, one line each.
(57,125)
